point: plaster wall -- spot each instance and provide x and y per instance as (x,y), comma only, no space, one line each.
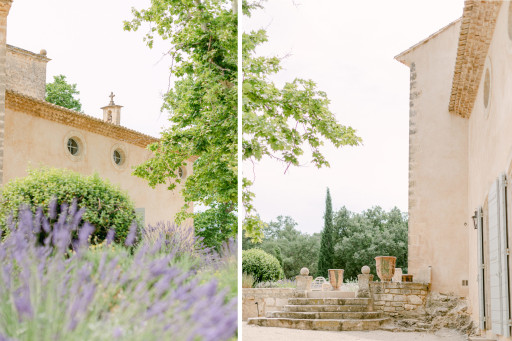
(32,141)
(490,140)
(438,170)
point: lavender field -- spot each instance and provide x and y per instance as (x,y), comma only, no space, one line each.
(160,284)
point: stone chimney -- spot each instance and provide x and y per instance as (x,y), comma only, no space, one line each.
(112,112)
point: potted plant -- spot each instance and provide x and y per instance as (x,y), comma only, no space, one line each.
(385,267)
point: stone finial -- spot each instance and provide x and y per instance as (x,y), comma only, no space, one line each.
(304,271)
(42,52)
(363,282)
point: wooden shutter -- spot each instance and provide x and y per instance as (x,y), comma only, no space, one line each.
(502,199)
(495,260)
(481,274)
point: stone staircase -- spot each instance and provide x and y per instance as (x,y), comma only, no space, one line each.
(334,314)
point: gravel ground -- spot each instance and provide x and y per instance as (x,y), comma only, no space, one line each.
(256,333)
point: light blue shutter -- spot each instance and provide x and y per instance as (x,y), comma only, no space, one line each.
(481,262)
(495,260)
(504,255)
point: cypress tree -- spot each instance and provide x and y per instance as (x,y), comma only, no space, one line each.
(326,254)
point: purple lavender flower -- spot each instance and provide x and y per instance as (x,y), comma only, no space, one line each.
(84,233)
(22,302)
(110,236)
(131,235)
(52,209)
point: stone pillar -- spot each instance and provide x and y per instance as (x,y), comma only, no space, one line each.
(363,280)
(5,6)
(303,280)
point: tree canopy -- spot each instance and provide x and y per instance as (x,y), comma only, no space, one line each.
(293,248)
(201,40)
(281,123)
(357,238)
(363,236)
(60,92)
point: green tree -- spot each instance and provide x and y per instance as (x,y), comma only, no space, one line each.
(281,123)
(201,38)
(216,225)
(326,255)
(62,93)
(291,247)
(366,235)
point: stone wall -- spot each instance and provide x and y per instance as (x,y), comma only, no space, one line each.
(393,298)
(267,299)
(26,72)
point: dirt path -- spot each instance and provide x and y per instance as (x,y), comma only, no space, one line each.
(255,333)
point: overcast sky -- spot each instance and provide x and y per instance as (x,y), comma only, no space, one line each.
(347,48)
(87,44)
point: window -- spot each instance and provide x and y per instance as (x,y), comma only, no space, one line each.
(119,156)
(73,147)
(118,159)
(181,173)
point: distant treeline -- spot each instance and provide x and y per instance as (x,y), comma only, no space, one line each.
(357,238)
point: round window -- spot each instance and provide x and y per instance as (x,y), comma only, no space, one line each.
(181,173)
(118,157)
(73,146)
(487,87)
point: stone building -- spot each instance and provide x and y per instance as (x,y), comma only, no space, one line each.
(460,161)
(36,133)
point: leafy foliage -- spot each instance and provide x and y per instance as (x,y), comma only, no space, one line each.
(261,265)
(105,292)
(216,225)
(202,105)
(357,239)
(364,236)
(281,123)
(62,93)
(105,205)
(296,249)
(326,255)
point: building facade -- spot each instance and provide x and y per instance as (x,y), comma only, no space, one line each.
(35,133)
(460,161)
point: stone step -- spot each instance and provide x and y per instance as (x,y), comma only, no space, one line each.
(480,338)
(324,315)
(328,301)
(330,294)
(326,324)
(325,308)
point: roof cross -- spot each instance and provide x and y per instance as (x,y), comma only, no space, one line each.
(111,98)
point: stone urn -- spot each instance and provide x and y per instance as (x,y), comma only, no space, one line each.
(336,278)
(385,267)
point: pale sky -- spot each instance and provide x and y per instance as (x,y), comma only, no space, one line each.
(86,42)
(347,48)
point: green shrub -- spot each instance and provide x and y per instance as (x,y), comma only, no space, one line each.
(247,280)
(106,206)
(261,265)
